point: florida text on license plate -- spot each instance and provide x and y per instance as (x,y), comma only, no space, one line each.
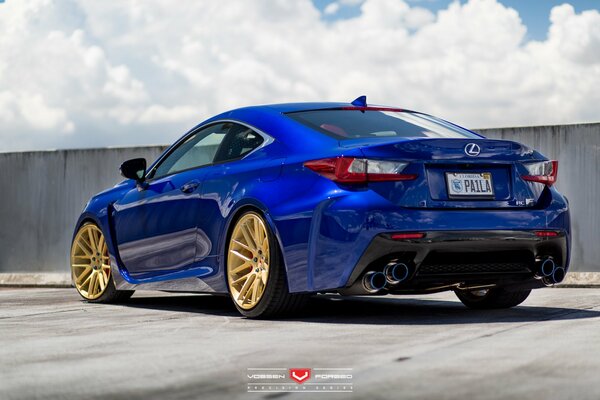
(469,184)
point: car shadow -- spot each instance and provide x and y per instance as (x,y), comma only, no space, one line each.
(397,310)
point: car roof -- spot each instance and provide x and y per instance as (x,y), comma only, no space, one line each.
(270,119)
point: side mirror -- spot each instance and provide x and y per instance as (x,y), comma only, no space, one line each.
(134,169)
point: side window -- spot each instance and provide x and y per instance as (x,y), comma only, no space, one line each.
(197,150)
(240,141)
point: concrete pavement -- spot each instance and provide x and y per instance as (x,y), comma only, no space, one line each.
(159,345)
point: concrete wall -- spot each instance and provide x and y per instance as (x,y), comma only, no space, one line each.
(44,192)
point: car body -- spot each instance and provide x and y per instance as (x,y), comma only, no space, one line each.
(358,200)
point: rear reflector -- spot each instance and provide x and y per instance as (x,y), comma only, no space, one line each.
(543,172)
(359,170)
(405,236)
(546,233)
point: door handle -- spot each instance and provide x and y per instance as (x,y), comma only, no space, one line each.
(189,187)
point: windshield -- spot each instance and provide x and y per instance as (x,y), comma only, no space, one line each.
(355,124)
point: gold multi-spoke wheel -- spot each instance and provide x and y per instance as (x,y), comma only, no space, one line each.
(90,262)
(90,267)
(248,261)
(256,272)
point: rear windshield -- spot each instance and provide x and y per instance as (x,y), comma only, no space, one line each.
(355,124)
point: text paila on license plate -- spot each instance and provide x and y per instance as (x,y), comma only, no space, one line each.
(469,184)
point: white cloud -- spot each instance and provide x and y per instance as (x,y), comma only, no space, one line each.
(39,115)
(331,8)
(159,114)
(418,17)
(576,37)
(93,73)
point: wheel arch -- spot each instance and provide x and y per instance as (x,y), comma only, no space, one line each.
(236,213)
(83,219)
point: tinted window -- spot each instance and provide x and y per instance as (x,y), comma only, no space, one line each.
(197,150)
(240,141)
(353,124)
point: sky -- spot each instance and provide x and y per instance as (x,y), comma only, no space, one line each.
(534,13)
(88,73)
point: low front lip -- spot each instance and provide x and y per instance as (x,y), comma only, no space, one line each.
(382,247)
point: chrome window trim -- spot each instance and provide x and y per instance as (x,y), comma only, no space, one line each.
(267,140)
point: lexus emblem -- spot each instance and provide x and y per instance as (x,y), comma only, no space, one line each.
(472,150)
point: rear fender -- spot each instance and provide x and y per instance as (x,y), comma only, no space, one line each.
(247,205)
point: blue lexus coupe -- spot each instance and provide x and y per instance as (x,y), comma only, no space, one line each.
(271,204)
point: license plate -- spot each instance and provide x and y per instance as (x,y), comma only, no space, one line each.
(471,184)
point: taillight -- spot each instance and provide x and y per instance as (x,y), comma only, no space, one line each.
(359,170)
(543,172)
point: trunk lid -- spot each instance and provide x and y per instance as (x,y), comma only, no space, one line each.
(457,173)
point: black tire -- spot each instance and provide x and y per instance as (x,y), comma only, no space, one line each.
(110,294)
(494,298)
(276,301)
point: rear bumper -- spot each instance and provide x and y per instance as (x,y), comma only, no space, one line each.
(470,257)
(327,247)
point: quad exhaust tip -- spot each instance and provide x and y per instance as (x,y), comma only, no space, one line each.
(396,273)
(558,275)
(550,273)
(547,268)
(373,281)
(393,274)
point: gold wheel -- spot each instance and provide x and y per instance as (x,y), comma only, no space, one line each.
(248,261)
(90,262)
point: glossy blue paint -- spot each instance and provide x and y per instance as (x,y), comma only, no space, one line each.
(163,230)
(432,158)
(360,101)
(156,228)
